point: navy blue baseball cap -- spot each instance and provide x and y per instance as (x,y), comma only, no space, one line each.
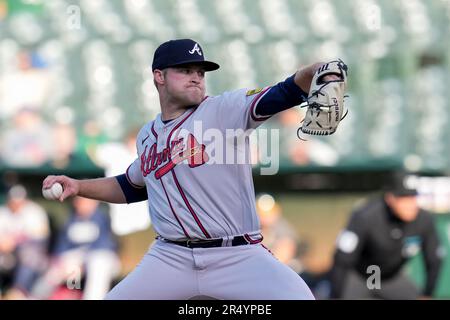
(179,52)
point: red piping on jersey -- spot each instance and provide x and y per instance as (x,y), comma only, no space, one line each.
(254,103)
(129,179)
(153,130)
(153,124)
(189,206)
(197,220)
(173,211)
(267,249)
(206,97)
(177,126)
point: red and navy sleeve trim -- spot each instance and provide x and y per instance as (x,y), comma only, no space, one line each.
(255,103)
(131,182)
(280,97)
(132,194)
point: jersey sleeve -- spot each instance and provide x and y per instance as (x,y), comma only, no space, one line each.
(349,245)
(351,240)
(236,109)
(134,174)
(247,109)
(132,181)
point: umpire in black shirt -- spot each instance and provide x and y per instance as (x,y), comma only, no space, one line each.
(380,238)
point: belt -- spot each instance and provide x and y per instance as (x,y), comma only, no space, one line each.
(212,243)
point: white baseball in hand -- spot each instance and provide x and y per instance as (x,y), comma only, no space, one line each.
(54,192)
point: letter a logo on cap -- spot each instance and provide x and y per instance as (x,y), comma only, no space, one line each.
(196,48)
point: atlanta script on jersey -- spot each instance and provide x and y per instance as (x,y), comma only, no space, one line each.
(191,195)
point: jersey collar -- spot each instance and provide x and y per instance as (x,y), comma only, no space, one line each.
(158,124)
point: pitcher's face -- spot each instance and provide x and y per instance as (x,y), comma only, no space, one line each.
(185,85)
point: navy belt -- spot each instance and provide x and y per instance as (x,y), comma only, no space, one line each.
(213,243)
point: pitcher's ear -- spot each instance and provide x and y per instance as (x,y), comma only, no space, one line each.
(159,76)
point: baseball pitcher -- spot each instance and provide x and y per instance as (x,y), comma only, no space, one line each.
(209,241)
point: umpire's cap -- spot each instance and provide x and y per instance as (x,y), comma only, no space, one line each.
(400,185)
(180,52)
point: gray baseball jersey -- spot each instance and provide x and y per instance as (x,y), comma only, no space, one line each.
(198,177)
(190,195)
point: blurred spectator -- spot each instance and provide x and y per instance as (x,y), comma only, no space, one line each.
(115,158)
(29,83)
(91,136)
(24,234)
(3,10)
(65,140)
(279,235)
(85,248)
(380,238)
(29,142)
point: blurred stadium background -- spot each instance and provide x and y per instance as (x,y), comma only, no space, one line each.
(74,76)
